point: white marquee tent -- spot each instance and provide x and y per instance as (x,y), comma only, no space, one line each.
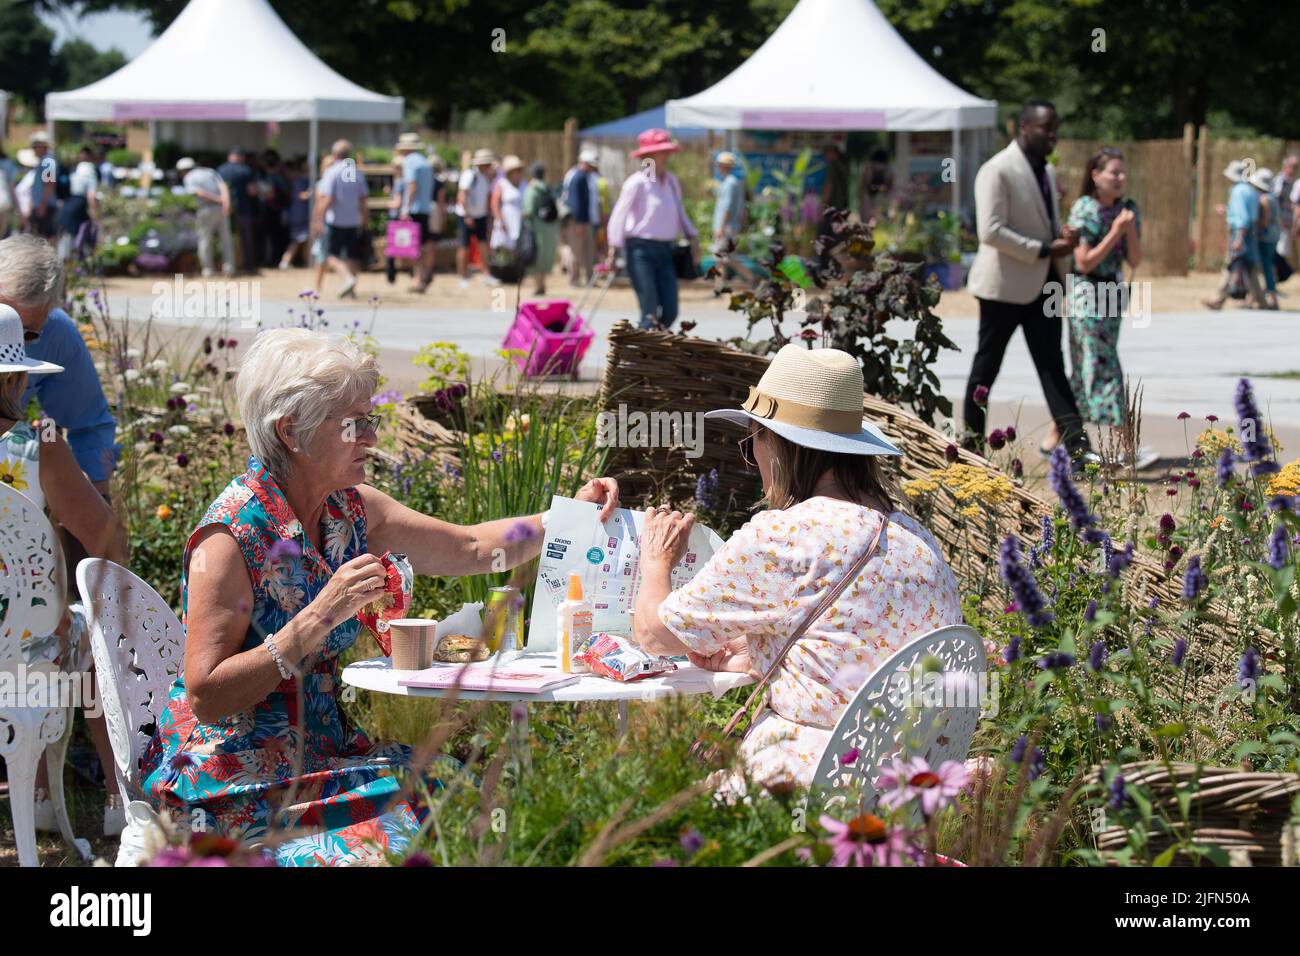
(838,65)
(221,74)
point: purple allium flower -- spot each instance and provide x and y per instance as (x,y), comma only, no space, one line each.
(1056,660)
(182,459)
(1120,560)
(1017,468)
(521,531)
(950,453)
(1011,653)
(1010,431)
(691,841)
(981,395)
(1180,651)
(1090,614)
(458,391)
(1225,469)
(228,428)
(1097,656)
(997,439)
(1254,442)
(849,757)
(156,437)
(418,858)
(1058,476)
(1022,584)
(207,345)
(1194,579)
(1183,416)
(1277,548)
(1248,668)
(1118,792)
(706,489)
(285,549)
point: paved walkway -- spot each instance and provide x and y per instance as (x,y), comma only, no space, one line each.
(1185,361)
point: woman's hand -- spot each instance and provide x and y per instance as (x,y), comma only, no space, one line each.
(353,586)
(733,658)
(665,536)
(1124,220)
(601,491)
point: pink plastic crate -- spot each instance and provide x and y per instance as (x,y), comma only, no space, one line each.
(538,331)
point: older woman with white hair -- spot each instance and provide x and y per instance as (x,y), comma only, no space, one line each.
(273,577)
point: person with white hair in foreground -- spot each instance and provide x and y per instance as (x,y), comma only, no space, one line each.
(272,580)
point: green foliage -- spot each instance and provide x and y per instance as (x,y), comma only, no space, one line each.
(858,293)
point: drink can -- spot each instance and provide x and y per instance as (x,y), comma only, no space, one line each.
(505,632)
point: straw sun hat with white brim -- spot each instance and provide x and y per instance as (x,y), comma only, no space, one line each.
(13,354)
(1261,179)
(813,398)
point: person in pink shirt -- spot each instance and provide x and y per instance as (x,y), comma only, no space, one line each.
(646,221)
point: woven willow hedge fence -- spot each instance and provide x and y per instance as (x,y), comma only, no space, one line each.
(1243,812)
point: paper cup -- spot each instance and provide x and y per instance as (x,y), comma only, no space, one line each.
(413,643)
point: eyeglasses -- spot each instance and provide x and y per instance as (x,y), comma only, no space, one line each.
(368,423)
(746,448)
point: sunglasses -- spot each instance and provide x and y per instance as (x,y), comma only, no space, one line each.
(368,423)
(30,336)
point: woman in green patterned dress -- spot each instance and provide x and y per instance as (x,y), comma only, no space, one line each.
(1109,236)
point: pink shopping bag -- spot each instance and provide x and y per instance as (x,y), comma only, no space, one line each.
(403,240)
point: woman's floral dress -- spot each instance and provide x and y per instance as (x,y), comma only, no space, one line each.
(1096,313)
(769,576)
(238,776)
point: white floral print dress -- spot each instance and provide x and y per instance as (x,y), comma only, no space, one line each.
(769,576)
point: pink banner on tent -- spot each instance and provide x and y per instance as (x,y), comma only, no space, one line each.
(180,111)
(812,119)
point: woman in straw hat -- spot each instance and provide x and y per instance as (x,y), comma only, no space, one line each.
(827,498)
(42,468)
(647,218)
(507,204)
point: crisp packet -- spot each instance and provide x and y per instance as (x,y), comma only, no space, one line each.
(616,658)
(398,585)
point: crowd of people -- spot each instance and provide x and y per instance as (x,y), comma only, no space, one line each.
(41,197)
(1262,232)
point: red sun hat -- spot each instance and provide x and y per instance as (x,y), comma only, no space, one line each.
(655,141)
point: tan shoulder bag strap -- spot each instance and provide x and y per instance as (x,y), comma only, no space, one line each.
(710,753)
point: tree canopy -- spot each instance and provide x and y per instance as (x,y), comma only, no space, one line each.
(1118,68)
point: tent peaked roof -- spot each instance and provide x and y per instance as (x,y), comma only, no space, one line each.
(834,64)
(225,60)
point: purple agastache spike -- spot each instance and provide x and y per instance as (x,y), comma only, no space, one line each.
(1022,584)
(1277,548)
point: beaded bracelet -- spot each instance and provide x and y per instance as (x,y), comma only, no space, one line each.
(275,656)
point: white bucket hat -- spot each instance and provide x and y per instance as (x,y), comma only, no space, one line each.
(13,354)
(1235,171)
(185,164)
(812,397)
(1261,179)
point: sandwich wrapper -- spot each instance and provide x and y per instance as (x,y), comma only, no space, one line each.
(468,621)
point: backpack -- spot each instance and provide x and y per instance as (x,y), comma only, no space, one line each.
(547,209)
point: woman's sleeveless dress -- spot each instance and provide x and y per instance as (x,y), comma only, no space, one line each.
(238,776)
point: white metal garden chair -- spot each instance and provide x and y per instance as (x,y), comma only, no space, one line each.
(138,645)
(895,714)
(33,585)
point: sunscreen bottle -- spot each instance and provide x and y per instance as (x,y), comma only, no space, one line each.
(572,626)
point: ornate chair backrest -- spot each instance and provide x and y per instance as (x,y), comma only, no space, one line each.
(138,646)
(33,582)
(909,708)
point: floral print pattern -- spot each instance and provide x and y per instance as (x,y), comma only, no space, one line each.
(291,761)
(767,578)
(19,461)
(1095,374)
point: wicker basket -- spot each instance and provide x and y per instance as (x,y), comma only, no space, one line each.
(1247,814)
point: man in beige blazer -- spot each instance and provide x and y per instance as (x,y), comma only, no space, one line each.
(1019,225)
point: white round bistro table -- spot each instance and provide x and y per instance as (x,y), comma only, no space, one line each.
(377,674)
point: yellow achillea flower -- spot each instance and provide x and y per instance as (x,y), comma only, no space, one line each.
(1212,441)
(966,483)
(1286,481)
(14,474)
(971,511)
